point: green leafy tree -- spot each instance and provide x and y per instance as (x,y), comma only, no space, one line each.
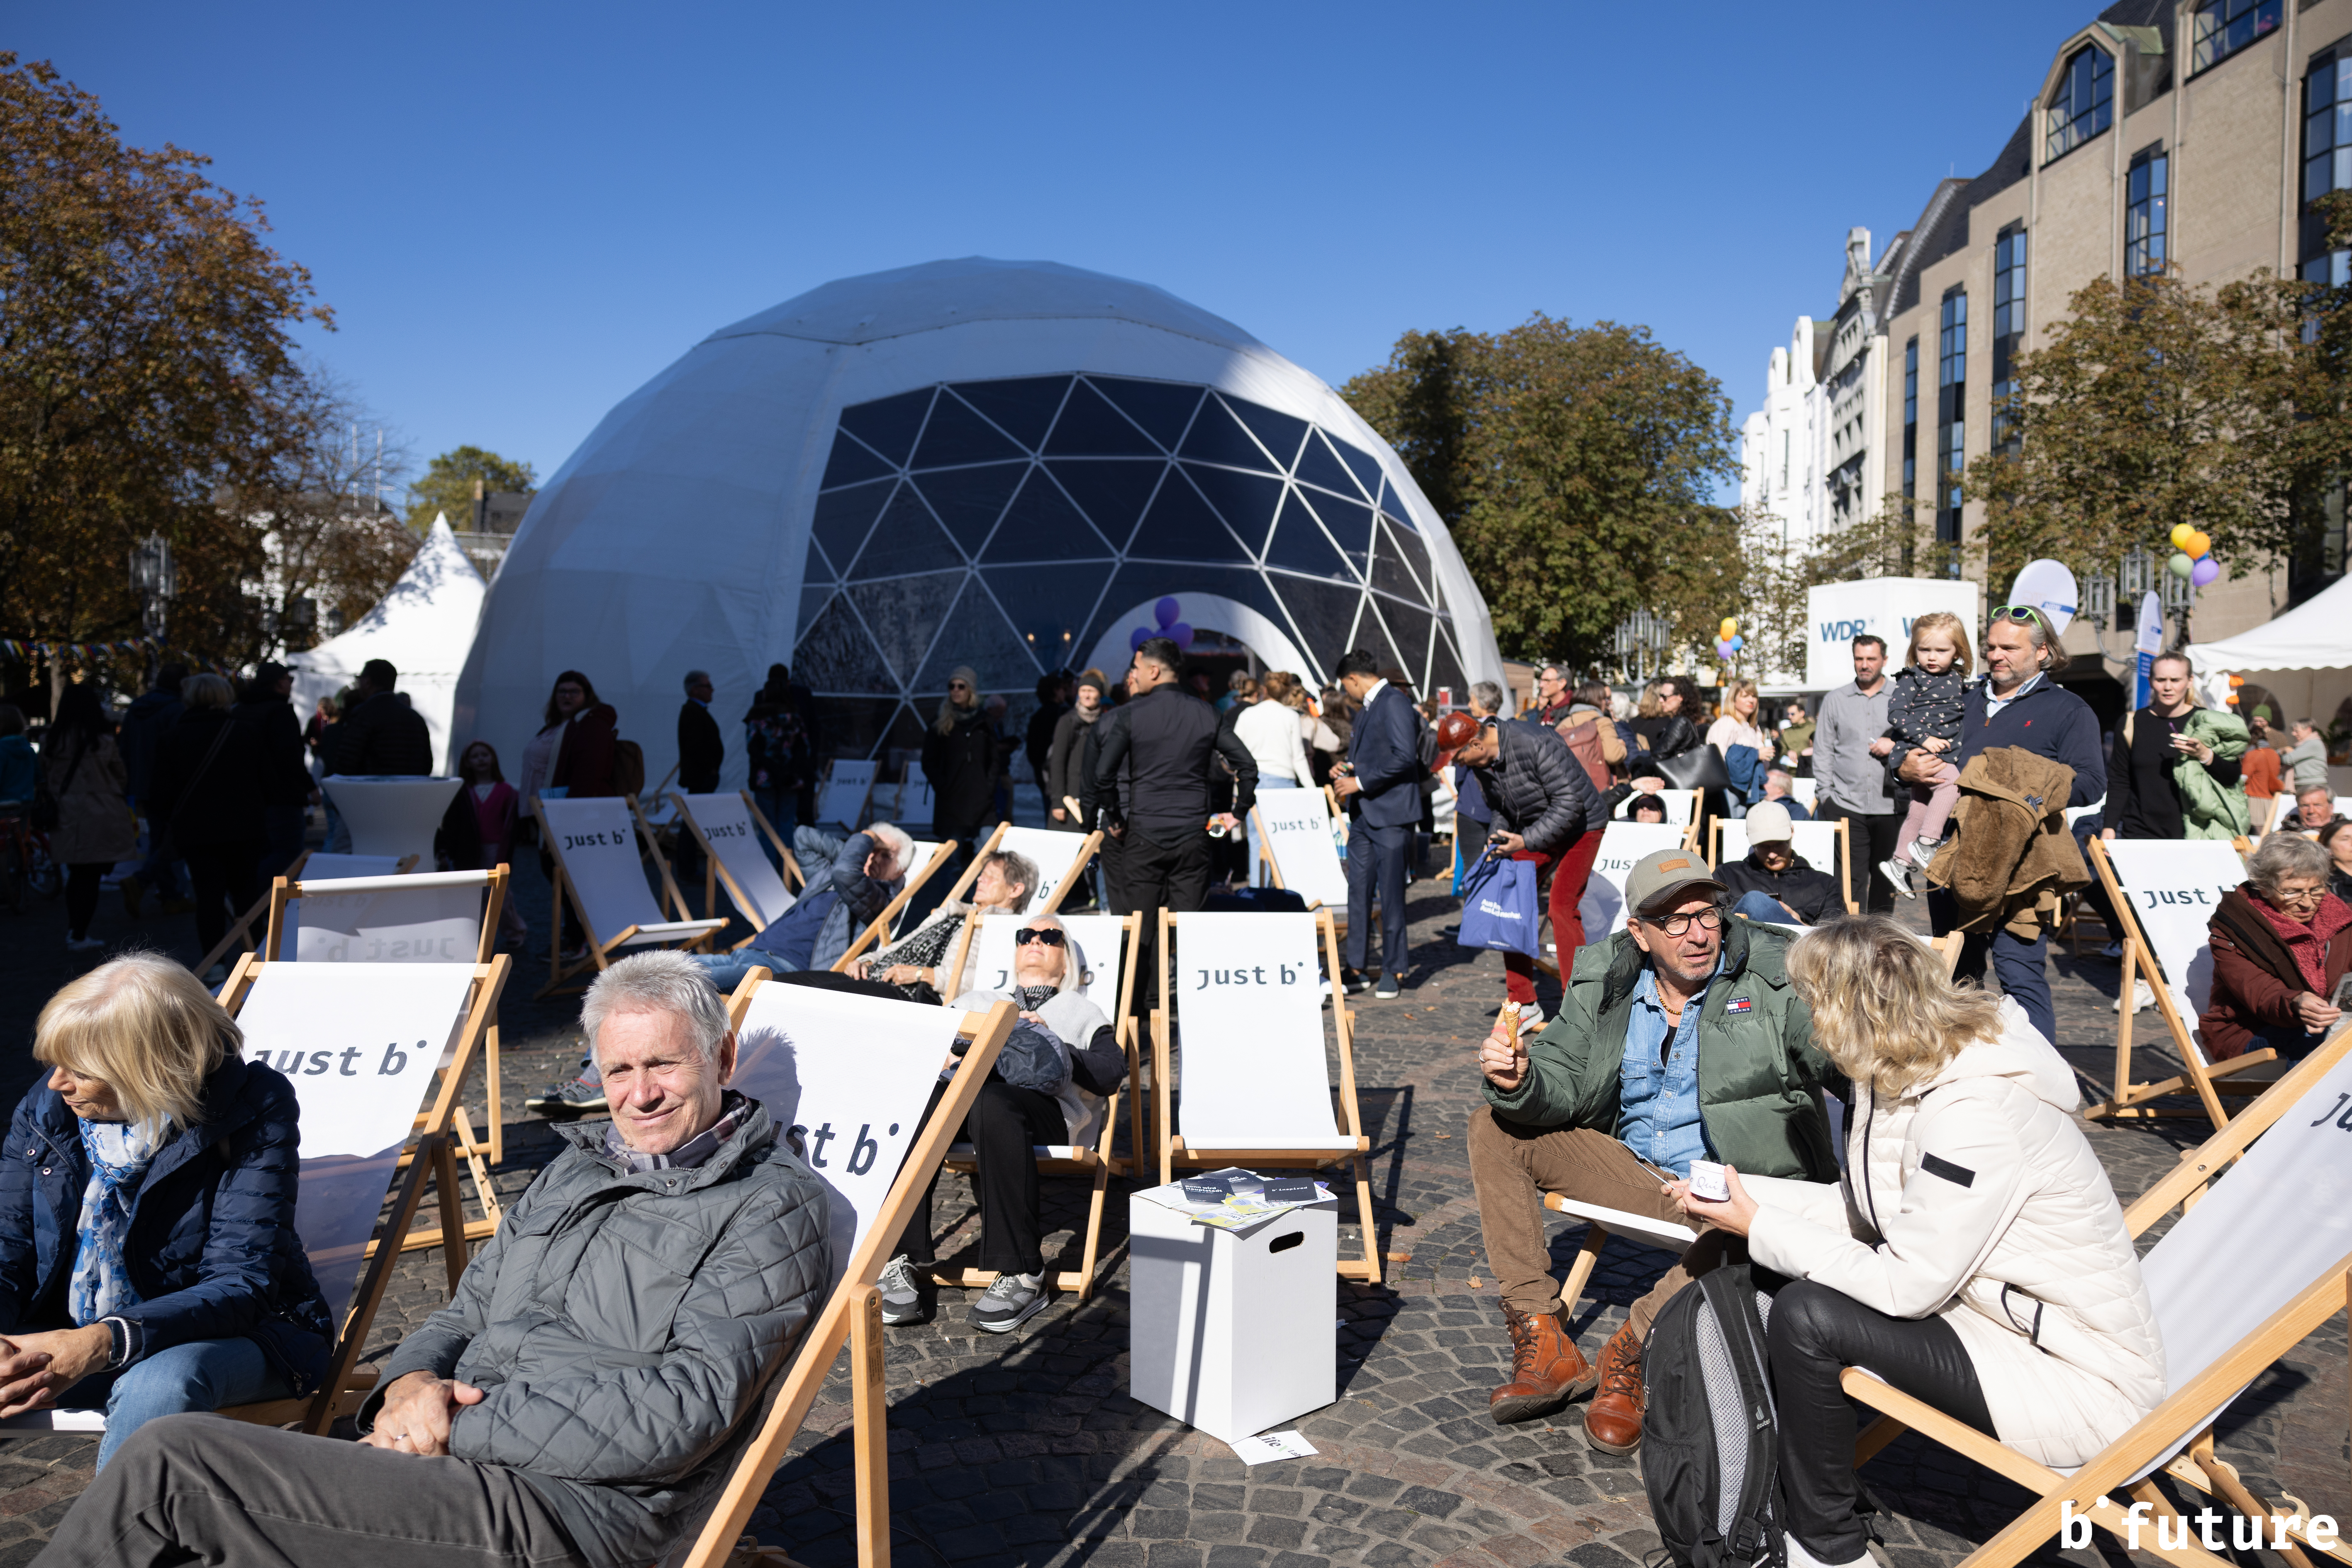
(448,485)
(1576,468)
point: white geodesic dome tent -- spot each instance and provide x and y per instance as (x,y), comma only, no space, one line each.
(1005,465)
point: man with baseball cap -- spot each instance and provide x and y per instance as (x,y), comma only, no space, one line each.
(1678,1038)
(1775,882)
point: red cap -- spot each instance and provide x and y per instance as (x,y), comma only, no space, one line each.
(1455,731)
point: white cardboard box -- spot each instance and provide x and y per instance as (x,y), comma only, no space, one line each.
(1233,1332)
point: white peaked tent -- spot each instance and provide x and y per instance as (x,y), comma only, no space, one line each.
(2303,657)
(423,626)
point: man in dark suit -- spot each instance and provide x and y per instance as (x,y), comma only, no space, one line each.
(1381,790)
(700,751)
(382,736)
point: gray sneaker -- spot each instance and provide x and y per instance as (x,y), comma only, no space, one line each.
(571,1098)
(907,1293)
(1007,1304)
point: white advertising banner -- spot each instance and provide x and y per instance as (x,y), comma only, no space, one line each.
(1298,839)
(1837,612)
(2174,886)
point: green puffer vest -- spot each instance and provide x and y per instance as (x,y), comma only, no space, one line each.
(1759,1074)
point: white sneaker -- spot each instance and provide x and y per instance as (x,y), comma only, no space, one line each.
(1922,852)
(2142,998)
(1898,873)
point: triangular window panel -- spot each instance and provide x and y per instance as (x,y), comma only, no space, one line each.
(1389,574)
(1022,407)
(1049,606)
(903,613)
(1366,467)
(1403,630)
(1280,433)
(1317,466)
(1404,539)
(1180,527)
(889,425)
(851,462)
(812,598)
(1246,501)
(1299,545)
(836,656)
(853,727)
(1145,583)
(1322,617)
(956,435)
(905,540)
(976,635)
(1393,501)
(1112,491)
(906,733)
(1446,668)
(970,500)
(842,518)
(1349,524)
(1090,428)
(1042,525)
(1162,408)
(1218,437)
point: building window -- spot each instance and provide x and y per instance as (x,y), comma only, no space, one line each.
(2007,326)
(2144,252)
(1911,418)
(2223,28)
(2326,162)
(1951,412)
(2085,102)
(1786,440)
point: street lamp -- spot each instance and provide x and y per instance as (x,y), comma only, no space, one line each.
(156,582)
(1640,642)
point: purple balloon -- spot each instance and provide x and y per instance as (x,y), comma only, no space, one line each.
(1165,613)
(1182,636)
(1138,637)
(1722,649)
(2207,570)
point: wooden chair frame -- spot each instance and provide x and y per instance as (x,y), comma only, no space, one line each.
(1845,854)
(602,948)
(1175,1153)
(854,1308)
(879,928)
(2209,1081)
(345,1385)
(866,803)
(1096,1164)
(2200,1401)
(713,872)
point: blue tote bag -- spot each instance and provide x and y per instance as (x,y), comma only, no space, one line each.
(1500,908)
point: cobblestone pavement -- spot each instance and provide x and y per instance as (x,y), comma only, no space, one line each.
(1025,1449)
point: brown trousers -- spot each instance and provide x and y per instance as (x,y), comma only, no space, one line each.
(1514,1166)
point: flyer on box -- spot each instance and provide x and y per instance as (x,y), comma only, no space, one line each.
(1235,1199)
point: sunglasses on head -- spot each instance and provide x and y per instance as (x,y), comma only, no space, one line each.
(1045,934)
(2024,614)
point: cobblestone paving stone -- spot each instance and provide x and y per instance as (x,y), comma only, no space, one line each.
(1025,1449)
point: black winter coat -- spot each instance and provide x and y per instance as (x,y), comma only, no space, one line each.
(962,768)
(284,779)
(1814,895)
(701,750)
(211,1249)
(210,802)
(384,737)
(1538,789)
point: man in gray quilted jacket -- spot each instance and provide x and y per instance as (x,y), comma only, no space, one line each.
(584,1397)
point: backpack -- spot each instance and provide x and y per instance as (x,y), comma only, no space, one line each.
(1584,745)
(1710,1436)
(628,767)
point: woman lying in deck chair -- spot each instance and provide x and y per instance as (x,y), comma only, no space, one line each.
(1004,883)
(148,1261)
(1989,1272)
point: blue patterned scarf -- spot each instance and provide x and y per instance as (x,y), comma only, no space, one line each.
(119,1156)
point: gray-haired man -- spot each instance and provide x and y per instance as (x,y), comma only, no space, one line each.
(583,1395)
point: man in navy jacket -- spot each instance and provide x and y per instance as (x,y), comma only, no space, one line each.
(1381,790)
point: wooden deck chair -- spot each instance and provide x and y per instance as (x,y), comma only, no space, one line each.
(1060,859)
(240,935)
(928,858)
(845,791)
(437,917)
(730,826)
(2165,893)
(2252,1267)
(1247,1014)
(598,870)
(983,961)
(916,803)
(1622,844)
(1682,805)
(1293,844)
(1823,845)
(377,1054)
(822,1060)
(1806,793)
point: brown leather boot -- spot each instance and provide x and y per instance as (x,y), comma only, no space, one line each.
(1547,1371)
(1613,1422)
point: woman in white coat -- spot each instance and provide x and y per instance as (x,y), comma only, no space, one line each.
(1975,1257)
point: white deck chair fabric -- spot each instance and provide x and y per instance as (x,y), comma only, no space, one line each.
(2260,1236)
(1248,1005)
(1299,840)
(842,797)
(2174,886)
(359,1042)
(915,800)
(1816,844)
(1624,1222)
(393,816)
(1052,853)
(599,843)
(726,821)
(1622,844)
(434,917)
(1805,792)
(848,1076)
(1681,804)
(1100,937)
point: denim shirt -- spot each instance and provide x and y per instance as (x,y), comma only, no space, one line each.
(1658,1100)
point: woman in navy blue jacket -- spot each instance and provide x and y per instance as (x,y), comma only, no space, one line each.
(148,1258)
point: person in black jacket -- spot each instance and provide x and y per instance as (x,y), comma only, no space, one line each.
(2142,800)
(1774,883)
(1164,737)
(209,788)
(1381,790)
(960,761)
(1052,701)
(382,736)
(1545,809)
(701,751)
(286,787)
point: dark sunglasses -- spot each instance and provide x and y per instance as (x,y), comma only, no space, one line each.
(1047,935)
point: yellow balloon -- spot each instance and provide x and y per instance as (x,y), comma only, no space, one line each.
(1729,628)
(2179,536)
(2197,545)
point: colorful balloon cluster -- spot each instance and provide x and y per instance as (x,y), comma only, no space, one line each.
(1165,612)
(2235,682)
(2193,556)
(1728,640)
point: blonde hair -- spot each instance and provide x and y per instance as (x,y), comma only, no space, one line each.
(1650,705)
(207,691)
(1883,1009)
(949,712)
(1738,689)
(147,1028)
(1950,626)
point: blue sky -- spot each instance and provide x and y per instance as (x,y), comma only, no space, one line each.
(520,212)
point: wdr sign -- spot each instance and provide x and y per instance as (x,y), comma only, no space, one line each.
(1877,607)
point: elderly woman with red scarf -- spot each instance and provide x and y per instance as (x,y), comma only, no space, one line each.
(2281,944)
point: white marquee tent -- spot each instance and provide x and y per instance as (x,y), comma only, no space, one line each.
(423,626)
(1011,466)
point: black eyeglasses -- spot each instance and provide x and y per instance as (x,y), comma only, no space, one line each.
(1045,934)
(1677,925)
